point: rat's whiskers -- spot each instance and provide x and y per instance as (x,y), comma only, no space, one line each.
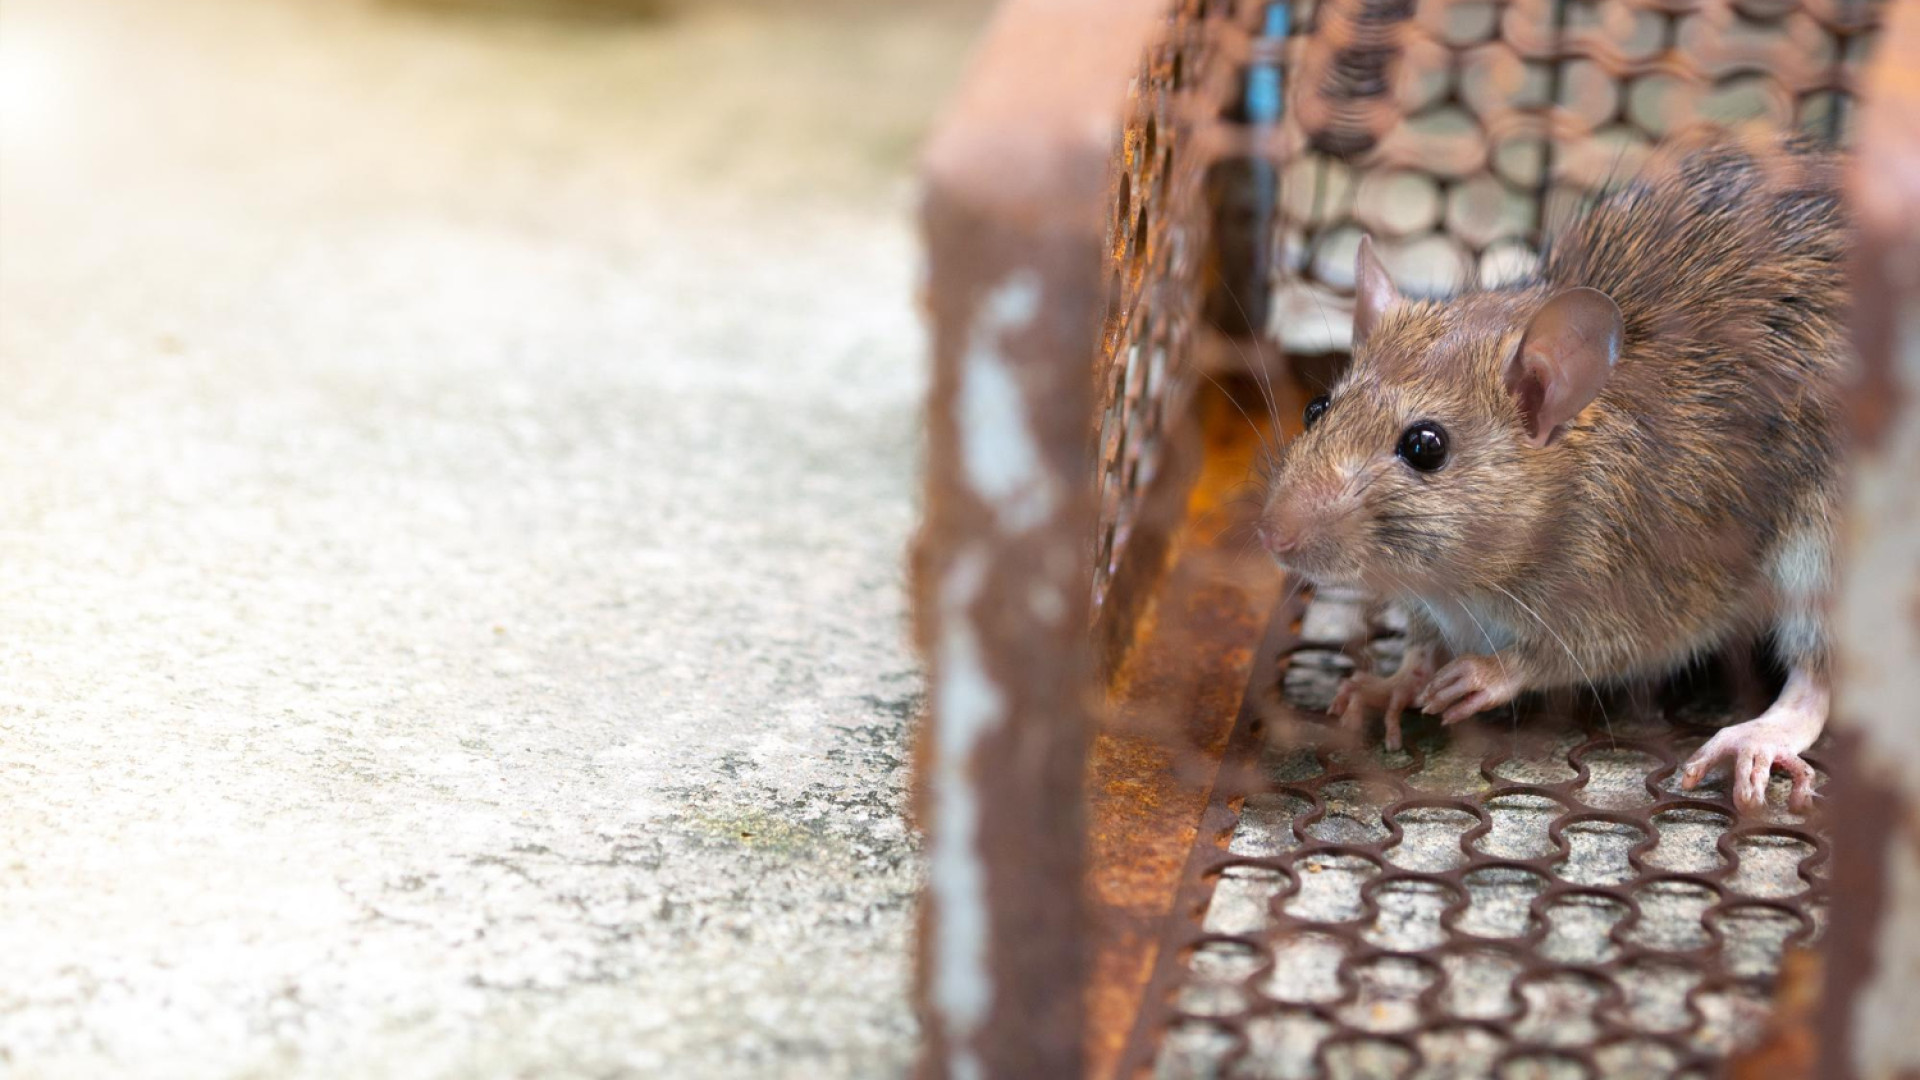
(1568,649)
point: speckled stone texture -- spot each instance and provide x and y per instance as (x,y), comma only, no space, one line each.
(453,484)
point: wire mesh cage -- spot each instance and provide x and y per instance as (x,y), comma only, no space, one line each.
(1457,134)
(1535,898)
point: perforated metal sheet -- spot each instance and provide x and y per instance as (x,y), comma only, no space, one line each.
(1456,132)
(1152,287)
(1525,895)
(1530,894)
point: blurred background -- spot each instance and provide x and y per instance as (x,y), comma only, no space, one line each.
(455,468)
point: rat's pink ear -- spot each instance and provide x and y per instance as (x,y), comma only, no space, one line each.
(1563,359)
(1373,291)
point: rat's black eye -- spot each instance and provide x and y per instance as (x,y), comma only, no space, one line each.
(1316,409)
(1423,446)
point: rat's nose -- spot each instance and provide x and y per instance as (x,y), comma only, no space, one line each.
(1292,520)
(1279,537)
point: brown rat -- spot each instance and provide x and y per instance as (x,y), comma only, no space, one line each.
(1608,470)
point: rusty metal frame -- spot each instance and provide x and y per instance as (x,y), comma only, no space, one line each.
(1033,285)
(1066,217)
(1017,184)
(1865,1022)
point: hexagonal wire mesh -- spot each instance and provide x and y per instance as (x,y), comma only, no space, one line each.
(1539,900)
(1532,897)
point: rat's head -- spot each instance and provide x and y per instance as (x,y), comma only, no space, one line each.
(1429,460)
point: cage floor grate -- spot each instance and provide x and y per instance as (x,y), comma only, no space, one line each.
(1528,895)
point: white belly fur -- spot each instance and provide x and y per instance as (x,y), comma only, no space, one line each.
(1467,628)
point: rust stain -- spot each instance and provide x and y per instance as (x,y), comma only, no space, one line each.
(1787,1050)
(1885,194)
(1172,706)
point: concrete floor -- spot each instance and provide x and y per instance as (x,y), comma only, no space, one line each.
(452,493)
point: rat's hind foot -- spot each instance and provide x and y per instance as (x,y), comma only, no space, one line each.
(1754,752)
(1774,739)
(1391,694)
(1469,685)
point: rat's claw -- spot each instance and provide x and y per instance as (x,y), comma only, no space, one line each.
(1800,798)
(1691,772)
(1350,701)
(1751,773)
(1443,689)
(1353,691)
(1354,716)
(1469,685)
(1441,694)
(1753,755)
(1473,704)
(1341,697)
(1398,698)
(1391,694)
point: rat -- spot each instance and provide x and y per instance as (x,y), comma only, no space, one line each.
(1608,470)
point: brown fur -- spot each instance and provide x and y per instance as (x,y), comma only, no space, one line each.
(1644,535)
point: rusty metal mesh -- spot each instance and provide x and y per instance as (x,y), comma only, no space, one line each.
(1263,139)
(1526,897)
(1457,132)
(1529,898)
(1188,242)
(1150,312)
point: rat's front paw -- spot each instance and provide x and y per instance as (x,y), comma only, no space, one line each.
(1469,685)
(1754,749)
(1391,694)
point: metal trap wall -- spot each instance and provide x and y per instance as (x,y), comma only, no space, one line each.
(1132,196)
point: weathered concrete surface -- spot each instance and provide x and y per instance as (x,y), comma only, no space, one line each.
(452,491)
